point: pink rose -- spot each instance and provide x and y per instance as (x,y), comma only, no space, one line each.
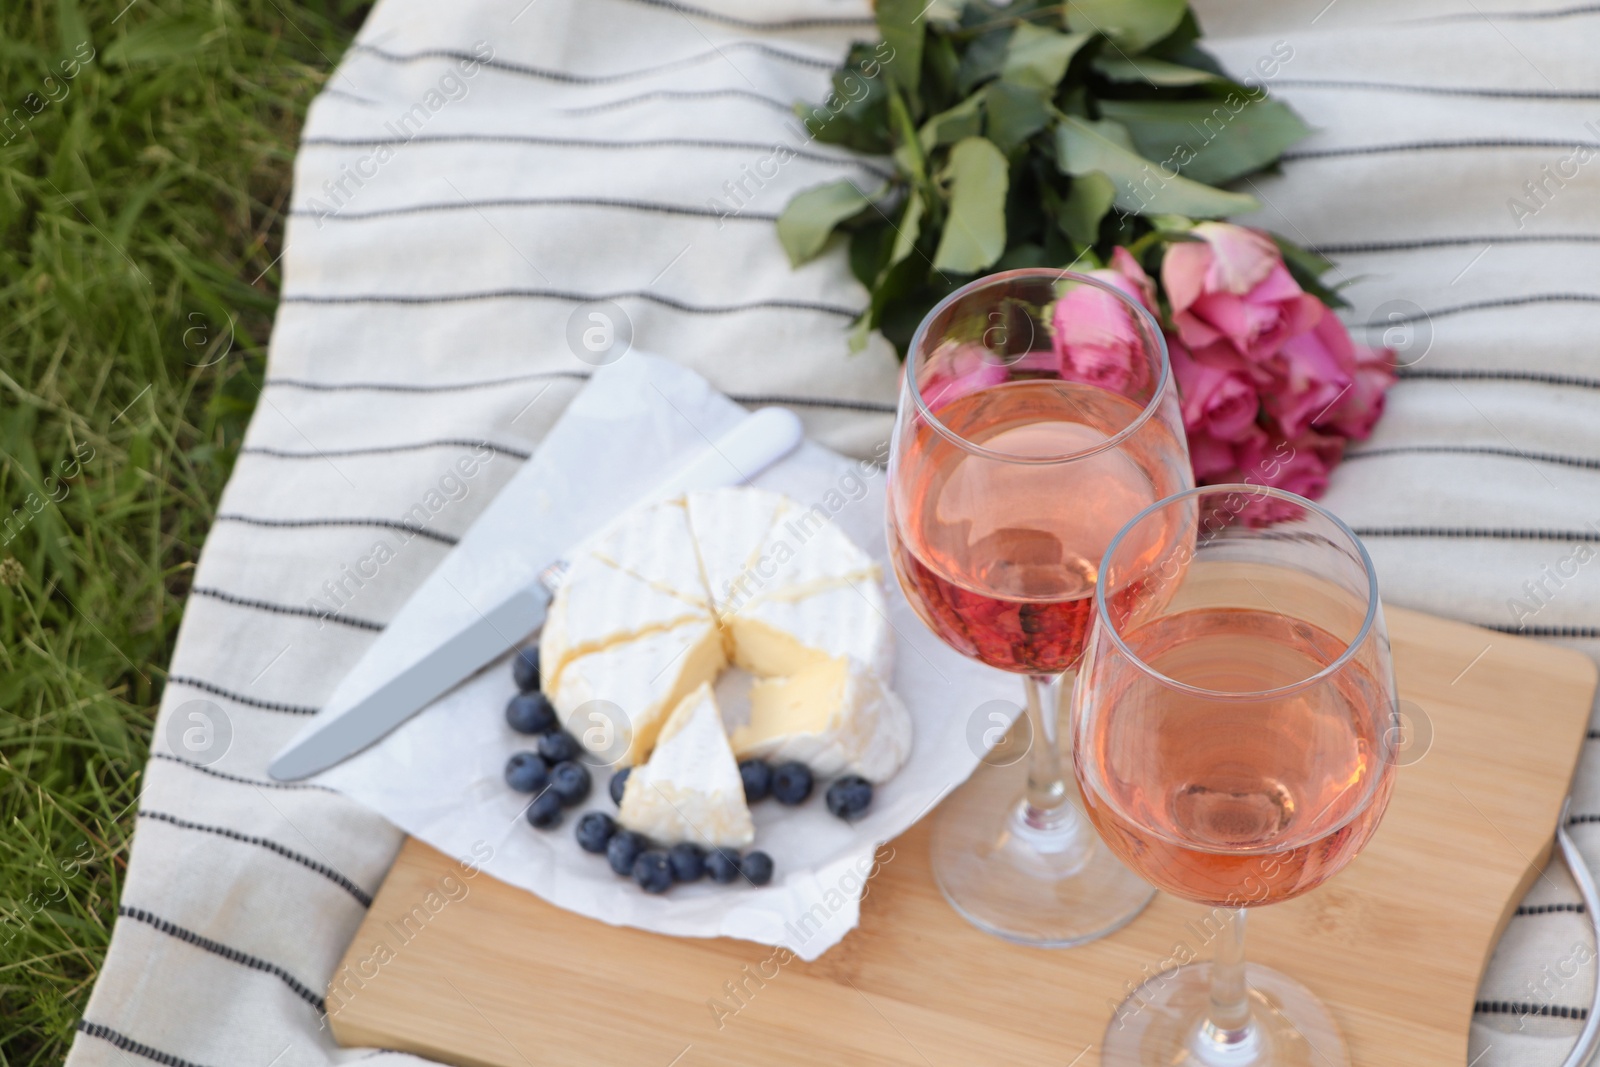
(1219,403)
(1311,372)
(1300,466)
(1097,338)
(1358,412)
(1231,285)
(957,370)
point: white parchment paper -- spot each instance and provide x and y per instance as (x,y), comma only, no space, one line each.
(439,776)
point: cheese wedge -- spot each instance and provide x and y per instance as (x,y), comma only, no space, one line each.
(690,789)
(615,700)
(834,716)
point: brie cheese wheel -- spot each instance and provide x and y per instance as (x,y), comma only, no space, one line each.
(834,716)
(669,595)
(690,788)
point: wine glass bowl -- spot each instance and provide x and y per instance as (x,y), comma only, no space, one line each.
(1234,736)
(1037,414)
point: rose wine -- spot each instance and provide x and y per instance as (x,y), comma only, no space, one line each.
(1000,556)
(1236,802)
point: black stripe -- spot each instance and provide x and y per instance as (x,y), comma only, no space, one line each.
(418,299)
(1594,735)
(1549,1011)
(645,206)
(1582,820)
(271,846)
(426,387)
(330,91)
(1358,247)
(678,94)
(756,24)
(259,783)
(757,399)
(588,142)
(381,450)
(1518,16)
(352,621)
(1476,450)
(1501,302)
(1575,908)
(384,524)
(128,1044)
(1469,375)
(1543,631)
(569,78)
(1435,90)
(1435,146)
(245,959)
(1484,534)
(252,702)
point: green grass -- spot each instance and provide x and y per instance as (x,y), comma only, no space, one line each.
(141,214)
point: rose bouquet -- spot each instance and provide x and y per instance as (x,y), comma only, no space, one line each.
(1095,136)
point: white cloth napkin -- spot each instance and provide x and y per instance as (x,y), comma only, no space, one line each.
(439,776)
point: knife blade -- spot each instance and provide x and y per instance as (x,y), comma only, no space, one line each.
(754,444)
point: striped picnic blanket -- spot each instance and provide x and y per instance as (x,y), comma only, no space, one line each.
(483,184)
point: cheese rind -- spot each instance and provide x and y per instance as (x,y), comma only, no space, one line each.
(834,716)
(612,606)
(729,528)
(690,788)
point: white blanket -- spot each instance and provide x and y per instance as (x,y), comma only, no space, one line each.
(475,170)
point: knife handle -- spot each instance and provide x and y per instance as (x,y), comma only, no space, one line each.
(758,441)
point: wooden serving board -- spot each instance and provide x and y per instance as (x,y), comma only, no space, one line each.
(1394,945)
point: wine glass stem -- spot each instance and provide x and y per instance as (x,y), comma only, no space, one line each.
(1228,1036)
(1047,806)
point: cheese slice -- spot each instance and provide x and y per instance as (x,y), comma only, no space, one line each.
(615,700)
(690,789)
(779,634)
(834,716)
(805,549)
(654,544)
(730,526)
(614,605)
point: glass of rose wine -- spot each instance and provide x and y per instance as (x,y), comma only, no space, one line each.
(1234,735)
(1037,415)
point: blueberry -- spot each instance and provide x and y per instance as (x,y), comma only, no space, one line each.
(757,775)
(849,796)
(791,783)
(623,848)
(570,782)
(722,865)
(652,871)
(558,746)
(526,772)
(756,866)
(525,668)
(545,811)
(619,780)
(595,830)
(531,713)
(688,862)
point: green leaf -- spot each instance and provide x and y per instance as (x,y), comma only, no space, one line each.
(161,39)
(1211,141)
(856,113)
(982,59)
(1015,113)
(1132,25)
(901,24)
(810,217)
(1085,205)
(1038,57)
(910,228)
(1307,268)
(1155,72)
(1141,186)
(908,153)
(948,127)
(975,231)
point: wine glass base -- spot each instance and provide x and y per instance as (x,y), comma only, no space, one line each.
(1051,887)
(1161,1024)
